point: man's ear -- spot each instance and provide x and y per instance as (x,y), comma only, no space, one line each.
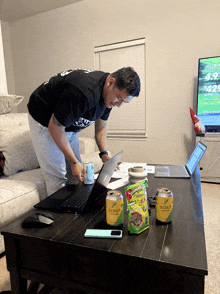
(111,81)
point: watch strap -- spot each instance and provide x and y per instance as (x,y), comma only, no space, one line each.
(72,163)
(102,153)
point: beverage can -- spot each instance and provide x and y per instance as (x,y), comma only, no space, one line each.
(114,208)
(164,205)
(88,169)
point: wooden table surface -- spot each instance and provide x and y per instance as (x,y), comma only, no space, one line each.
(169,257)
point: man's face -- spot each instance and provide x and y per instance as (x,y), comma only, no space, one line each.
(113,97)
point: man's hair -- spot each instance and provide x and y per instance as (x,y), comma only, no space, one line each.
(126,78)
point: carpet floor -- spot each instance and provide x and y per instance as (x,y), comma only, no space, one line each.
(211,210)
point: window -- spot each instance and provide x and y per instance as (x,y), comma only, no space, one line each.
(128,121)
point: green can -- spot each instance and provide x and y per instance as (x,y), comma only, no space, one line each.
(164,205)
(114,208)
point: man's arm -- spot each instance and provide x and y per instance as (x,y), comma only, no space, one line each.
(58,134)
(100,134)
(100,137)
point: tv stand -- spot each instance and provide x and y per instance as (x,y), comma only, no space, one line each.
(210,162)
(212,129)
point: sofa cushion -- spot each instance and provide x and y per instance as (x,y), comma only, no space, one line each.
(17,147)
(35,176)
(86,145)
(8,102)
(13,119)
(16,198)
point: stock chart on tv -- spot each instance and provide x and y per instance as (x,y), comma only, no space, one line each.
(208,104)
(209,86)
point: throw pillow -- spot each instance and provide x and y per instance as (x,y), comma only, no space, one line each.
(8,102)
(18,149)
(2,163)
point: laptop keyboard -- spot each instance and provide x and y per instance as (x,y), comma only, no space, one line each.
(171,171)
(177,169)
(80,197)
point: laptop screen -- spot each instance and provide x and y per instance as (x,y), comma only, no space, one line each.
(107,170)
(195,157)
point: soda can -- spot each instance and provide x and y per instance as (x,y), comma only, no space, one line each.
(164,205)
(88,170)
(114,208)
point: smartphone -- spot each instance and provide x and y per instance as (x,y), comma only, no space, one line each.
(96,233)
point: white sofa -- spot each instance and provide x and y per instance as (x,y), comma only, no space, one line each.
(22,185)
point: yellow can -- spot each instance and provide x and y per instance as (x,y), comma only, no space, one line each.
(114,208)
(164,205)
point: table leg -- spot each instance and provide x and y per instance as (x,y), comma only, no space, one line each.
(33,287)
(18,284)
(46,289)
(194,284)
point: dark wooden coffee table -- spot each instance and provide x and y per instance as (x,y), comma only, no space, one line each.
(163,259)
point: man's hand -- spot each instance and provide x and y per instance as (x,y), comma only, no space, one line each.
(105,158)
(77,171)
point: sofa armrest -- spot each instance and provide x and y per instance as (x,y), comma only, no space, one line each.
(86,145)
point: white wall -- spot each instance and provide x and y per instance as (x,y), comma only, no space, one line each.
(3,82)
(177,34)
(8,58)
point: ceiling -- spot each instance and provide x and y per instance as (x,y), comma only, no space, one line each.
(13,10)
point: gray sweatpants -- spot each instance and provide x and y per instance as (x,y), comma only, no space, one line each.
(56,169)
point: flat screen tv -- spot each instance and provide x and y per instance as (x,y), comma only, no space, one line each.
(208,94)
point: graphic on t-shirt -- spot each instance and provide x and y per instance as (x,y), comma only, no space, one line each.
(83,123)
(66,72)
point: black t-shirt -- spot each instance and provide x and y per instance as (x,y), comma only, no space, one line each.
(75,98)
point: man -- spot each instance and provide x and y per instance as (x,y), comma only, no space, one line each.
(66,104)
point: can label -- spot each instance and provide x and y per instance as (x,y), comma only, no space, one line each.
(164,205)
(114,208)
(88,169)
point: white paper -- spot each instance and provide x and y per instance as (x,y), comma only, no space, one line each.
(124,166)
(117,184)
(122,174)
(150,169)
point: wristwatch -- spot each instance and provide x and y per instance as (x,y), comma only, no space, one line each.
(102,153)
(72,163)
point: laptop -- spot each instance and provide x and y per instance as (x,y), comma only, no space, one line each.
(178,171)
(82,197)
